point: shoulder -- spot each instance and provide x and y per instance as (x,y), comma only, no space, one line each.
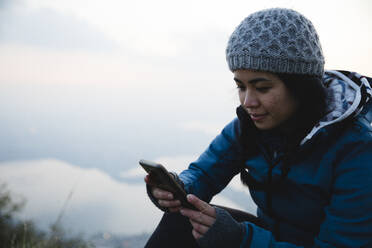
(353,147)
(232,129)
(353,131)
(228,138)
(359,131)
(343,145)
(361,126)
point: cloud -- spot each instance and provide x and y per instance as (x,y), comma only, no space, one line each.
(98,202)
(49,28)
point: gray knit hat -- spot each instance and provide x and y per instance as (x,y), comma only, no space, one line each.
(276,40)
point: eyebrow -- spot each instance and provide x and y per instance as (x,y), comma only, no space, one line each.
(252,81)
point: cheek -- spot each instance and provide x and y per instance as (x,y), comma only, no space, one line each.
(241,97)
(281,106)
(273,103)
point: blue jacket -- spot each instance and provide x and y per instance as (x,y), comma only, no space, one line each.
(321,196)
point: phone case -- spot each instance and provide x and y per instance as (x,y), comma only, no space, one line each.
(166,181)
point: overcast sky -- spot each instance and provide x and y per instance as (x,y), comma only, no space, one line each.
(128,42)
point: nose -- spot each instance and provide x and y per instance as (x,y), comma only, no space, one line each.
(250,100)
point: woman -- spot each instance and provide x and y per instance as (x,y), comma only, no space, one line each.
(301,143)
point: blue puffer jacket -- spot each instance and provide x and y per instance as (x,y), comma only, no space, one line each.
(321,195)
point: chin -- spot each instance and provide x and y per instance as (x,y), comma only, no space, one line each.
(263,126)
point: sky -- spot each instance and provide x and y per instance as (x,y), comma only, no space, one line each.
(90,87)
(134,42)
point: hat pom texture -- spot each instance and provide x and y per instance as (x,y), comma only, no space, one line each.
(276,40)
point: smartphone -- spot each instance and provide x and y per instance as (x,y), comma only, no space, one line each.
(164,180)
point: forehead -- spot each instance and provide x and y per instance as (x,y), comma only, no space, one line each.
(246,75)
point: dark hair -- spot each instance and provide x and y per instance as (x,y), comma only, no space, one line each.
(311,95)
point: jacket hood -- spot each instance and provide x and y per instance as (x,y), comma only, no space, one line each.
(349,95)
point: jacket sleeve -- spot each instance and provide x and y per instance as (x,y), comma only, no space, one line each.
(214,169)
(348,217)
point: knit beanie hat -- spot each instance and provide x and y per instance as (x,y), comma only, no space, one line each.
(276,40)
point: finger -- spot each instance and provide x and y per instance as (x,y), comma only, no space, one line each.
(169,204)
(150,180)
(196,234)
(162,194)
(200,228)
(198,216)
(147,179)
(201,205)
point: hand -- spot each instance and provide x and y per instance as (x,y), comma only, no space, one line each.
(165,198)
(200,220)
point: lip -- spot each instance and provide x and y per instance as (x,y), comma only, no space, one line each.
(257,117)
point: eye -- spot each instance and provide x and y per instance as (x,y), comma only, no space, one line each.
(240,87)
(263,89)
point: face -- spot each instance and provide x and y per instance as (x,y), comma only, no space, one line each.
(265,98)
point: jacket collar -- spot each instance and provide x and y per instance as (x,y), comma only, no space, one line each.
(348,93)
